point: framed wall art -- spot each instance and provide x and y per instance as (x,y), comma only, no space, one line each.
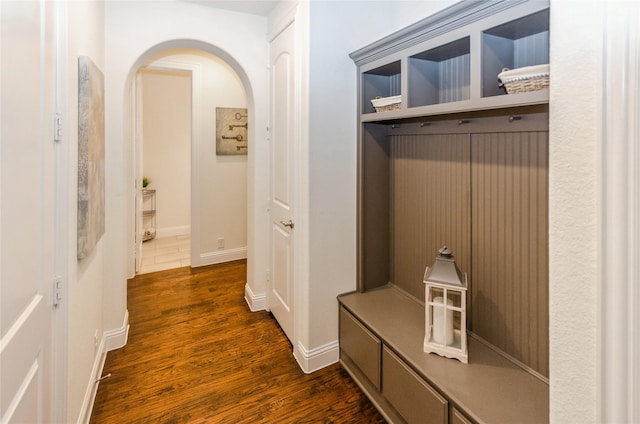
(231,131)
(91,154)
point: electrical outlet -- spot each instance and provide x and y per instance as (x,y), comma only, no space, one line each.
(220,242)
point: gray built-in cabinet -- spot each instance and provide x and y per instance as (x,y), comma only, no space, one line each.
(459,163)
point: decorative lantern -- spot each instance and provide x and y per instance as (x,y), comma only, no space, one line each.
(445,301)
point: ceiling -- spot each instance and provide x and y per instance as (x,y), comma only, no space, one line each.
(254,7)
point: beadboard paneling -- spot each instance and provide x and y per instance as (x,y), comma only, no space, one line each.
(509,260)
(453,79)
(486,197)
(431,204)
(394,85)
(373,208)
(531,50)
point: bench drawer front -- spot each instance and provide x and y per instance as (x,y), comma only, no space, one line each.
(458,418)
(409,394)
(361,346)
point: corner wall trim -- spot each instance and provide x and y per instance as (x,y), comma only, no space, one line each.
(222,256)
(117,338)
(318,358)
(256,302)
(619,332)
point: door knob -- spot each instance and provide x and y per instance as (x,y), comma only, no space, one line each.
(287,224)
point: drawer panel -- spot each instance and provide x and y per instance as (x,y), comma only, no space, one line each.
(458,418)
(361,346)
(409,394)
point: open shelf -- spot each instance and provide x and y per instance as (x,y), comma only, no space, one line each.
(515,44)
(383,81)
(488,104)
(440,75)
(148,214)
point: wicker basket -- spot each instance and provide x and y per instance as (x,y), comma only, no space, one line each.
(529,78)
(384,104)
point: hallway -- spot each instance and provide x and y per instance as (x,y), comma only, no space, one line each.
(196,354)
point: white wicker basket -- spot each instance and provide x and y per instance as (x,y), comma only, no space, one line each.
(528,78)
(384,104)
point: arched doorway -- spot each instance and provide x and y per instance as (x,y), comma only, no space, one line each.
(257,164)
(194,183)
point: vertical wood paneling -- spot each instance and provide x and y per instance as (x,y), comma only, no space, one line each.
(454,79)
(431,204)
(542,253)
(486,197)
(394,85)
(374,245)
(509,262)
(531,50)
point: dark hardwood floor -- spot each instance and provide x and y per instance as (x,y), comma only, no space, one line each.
(196,354)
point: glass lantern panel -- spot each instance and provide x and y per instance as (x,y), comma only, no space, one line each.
(455,298)
(442,331)
(435,292)
(457,332)
(430,322)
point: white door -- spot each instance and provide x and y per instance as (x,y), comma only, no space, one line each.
(27,210)
(280,293)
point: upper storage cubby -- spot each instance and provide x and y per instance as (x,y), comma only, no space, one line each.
(383,81)
(440,75)
(449,62)
(515,44)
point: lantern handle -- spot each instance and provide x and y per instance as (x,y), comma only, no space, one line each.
(445,251)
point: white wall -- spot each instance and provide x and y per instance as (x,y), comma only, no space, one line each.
(574,167)
(86,277)
(223,205)
(135,33)
(166,148)
(337,29)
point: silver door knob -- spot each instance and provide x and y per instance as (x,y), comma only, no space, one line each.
(287,224)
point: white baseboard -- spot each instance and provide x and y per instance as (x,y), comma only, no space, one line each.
(117,338)
(183,230)
(255,302)
(228,255)
(92,387)
(111,340)
(318,358)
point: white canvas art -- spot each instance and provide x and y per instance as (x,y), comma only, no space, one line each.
(91,152)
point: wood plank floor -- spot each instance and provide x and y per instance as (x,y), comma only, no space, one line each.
(196,354)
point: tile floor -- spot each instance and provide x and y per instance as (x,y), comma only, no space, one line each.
(164,253)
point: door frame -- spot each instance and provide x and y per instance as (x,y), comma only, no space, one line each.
(299,16)
(286,320)
(195,70)
(137,154)
(62,225)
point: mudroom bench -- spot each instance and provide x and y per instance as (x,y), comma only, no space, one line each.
(381,346)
